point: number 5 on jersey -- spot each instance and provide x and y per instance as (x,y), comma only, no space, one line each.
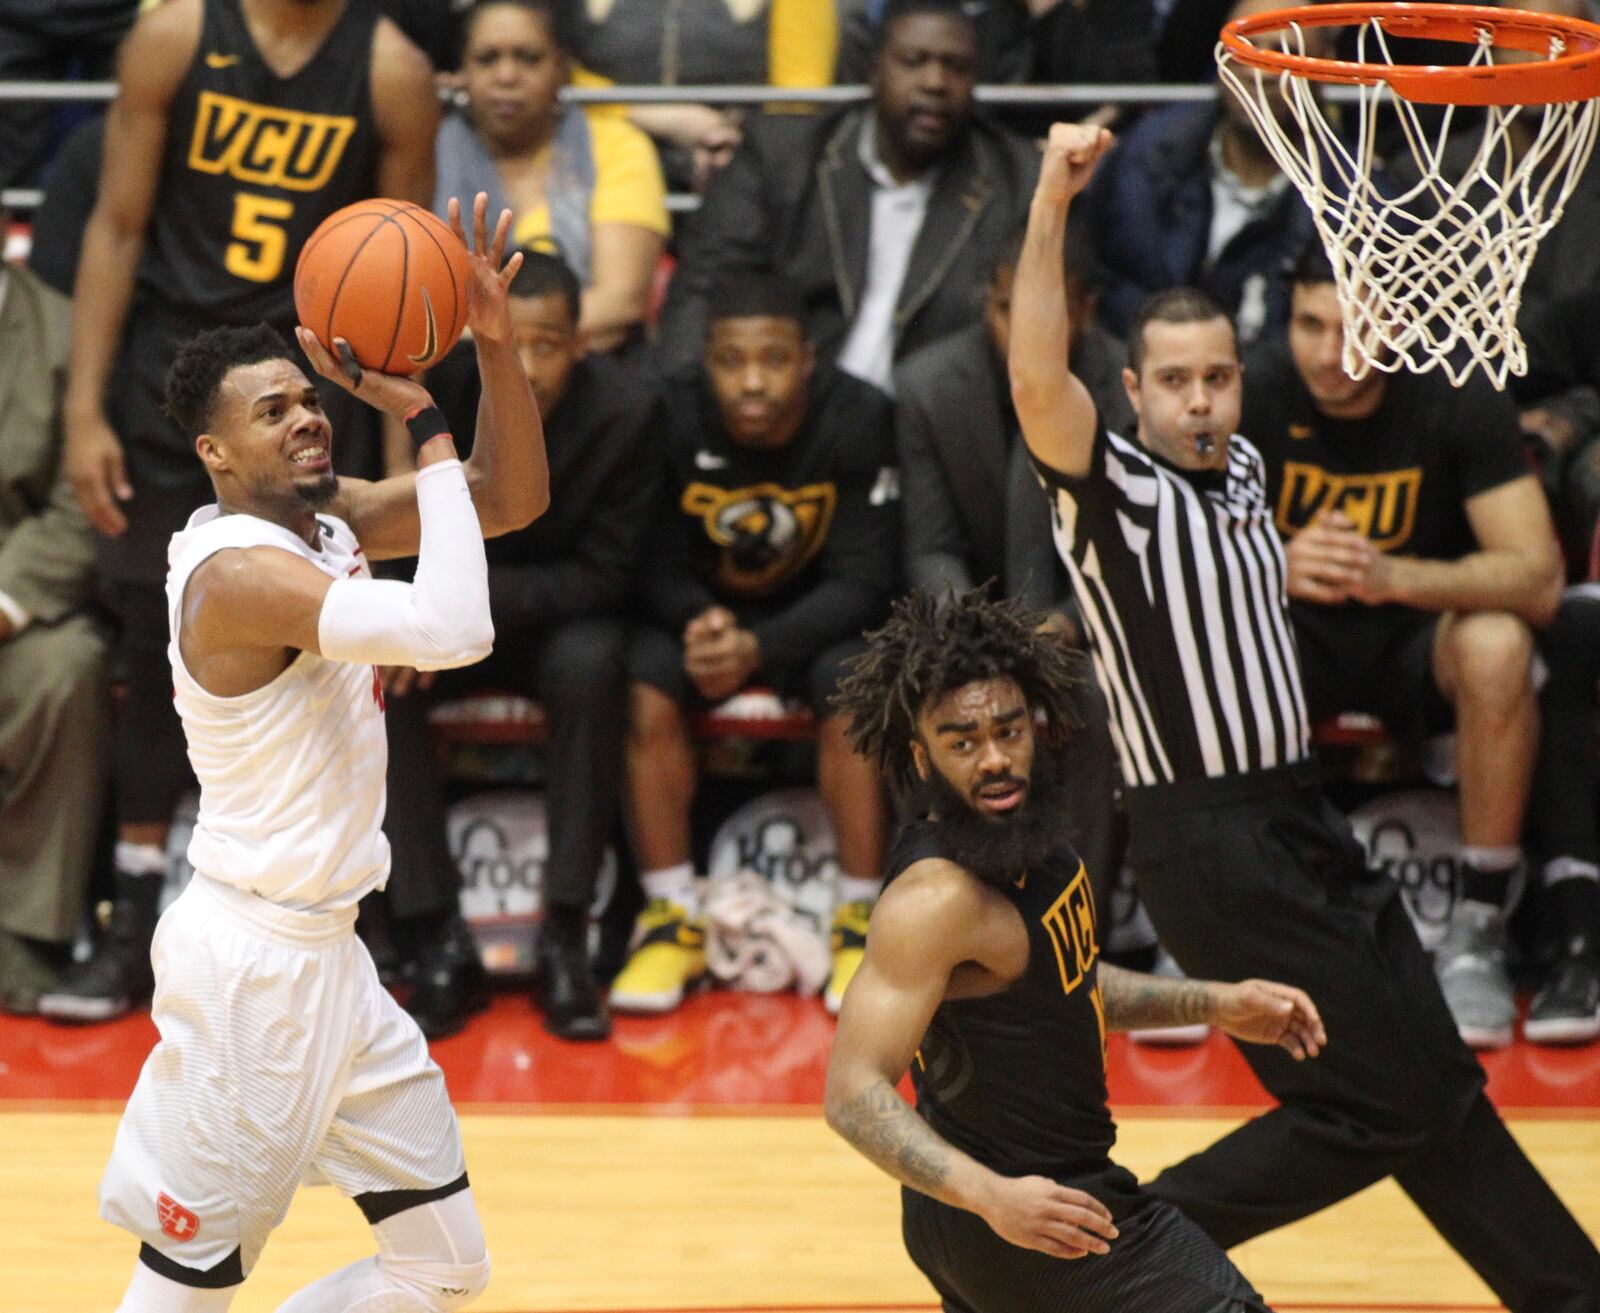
(260,242)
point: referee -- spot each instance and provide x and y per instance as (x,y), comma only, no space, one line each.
(1244,867)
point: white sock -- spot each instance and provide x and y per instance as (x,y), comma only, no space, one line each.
(150,1292)
(418,1250)
(1491,861)
(674,883)
(856,889)
(140,858)
(1569,868)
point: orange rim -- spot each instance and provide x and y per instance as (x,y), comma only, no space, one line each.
(1573,76)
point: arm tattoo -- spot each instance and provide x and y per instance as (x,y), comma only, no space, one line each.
(888,1131)
(1134,1000)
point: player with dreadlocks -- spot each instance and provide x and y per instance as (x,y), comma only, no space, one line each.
(983,965)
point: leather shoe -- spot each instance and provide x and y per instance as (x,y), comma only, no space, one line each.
(567,991)
(451,984)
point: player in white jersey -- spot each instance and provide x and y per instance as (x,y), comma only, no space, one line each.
(281,1057)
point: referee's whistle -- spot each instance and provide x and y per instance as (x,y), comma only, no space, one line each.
(1203,444)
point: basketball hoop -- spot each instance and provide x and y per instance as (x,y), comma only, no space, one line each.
(1431,275)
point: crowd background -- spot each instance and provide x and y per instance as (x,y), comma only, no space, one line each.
(769,344)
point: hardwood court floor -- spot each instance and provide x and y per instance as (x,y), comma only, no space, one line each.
(684,1167)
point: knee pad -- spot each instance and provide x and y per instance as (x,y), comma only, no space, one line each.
(438,1287)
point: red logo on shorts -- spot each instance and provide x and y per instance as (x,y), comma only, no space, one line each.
(176,1220)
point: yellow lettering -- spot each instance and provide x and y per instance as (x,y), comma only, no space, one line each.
(1383,506)
(266,145)
(1071,926)
(260,242)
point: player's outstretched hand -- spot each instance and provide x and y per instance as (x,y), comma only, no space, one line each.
(390,393)
(1035,1212)
(488,292)
(1265,1012)
(1070,156)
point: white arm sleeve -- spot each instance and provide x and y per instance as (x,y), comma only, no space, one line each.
(440,619)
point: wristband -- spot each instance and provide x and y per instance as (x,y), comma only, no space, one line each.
(424,424)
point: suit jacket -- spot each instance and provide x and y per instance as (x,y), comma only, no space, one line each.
(46,544)
(796,200)
(973,506)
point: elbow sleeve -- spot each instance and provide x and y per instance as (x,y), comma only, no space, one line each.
(440,619)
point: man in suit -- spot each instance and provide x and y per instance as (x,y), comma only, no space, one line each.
(973,507)
(54,670)
(887,215)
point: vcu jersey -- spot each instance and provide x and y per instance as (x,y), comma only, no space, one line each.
(253,163)
(1018,1079)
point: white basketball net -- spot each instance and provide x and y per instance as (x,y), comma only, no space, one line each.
(1430,276)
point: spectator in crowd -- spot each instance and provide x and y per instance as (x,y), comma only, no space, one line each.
(1421,557)
(45,40)
(1558,410)
(1041,41)
(559,591)
(973,507)
(55,724)
(1564,829)
(56,240)
(196,227)
(780,43)
(587,184)
(775,544)
(888,215)
(1192,197)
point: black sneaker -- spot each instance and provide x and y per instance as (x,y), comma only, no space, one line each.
(118,977)
(451,983)
(1567,1009)
(29,969)
(567,992)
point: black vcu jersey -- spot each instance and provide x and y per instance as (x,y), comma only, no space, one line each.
(253,163)
(1017,1080)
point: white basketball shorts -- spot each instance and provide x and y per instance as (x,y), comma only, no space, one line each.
(282,1060)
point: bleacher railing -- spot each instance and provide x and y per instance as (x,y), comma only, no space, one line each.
(1085,95)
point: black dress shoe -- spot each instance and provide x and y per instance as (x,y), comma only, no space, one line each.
(450,983)
(566,990)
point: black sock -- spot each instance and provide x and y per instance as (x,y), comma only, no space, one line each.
(1485,886)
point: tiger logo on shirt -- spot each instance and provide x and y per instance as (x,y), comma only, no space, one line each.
(766,534)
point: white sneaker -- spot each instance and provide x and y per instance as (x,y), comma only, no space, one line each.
(1171,1037)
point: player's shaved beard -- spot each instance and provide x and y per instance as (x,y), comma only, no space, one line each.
(997,849)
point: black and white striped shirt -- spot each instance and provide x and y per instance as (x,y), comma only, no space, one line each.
(1180,579)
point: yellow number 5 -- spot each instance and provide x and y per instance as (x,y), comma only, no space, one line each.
(258,252)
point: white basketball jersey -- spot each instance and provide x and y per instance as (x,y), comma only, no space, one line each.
(292,774)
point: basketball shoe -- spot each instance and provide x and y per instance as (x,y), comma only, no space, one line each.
(668,955)
(849,943)
(1471,965)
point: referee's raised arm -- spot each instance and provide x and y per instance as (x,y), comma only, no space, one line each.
(1055,410)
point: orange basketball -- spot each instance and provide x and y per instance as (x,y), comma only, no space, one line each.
(390,278)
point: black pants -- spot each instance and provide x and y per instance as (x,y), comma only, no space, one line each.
(1566,776)
(152,762)
(1262,877)
(1161,1262)
(575,672)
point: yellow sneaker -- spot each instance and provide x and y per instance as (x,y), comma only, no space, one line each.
(669,952)
(849,947)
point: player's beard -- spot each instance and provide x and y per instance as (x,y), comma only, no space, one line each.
(997,849)
(318,492)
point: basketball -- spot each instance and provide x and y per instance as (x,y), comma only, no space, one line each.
(390,278)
